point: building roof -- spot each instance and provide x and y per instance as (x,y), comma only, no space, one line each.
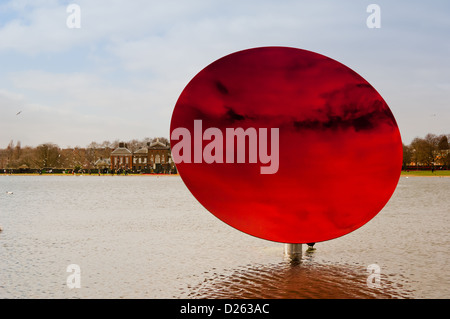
(103,161)
(157,145)
(121,151)
(142,150)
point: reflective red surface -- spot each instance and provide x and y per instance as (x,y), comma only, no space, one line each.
(340,149)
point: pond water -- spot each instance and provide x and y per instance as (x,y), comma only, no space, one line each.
(147,237)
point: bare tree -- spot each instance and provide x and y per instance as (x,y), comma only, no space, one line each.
(423,151)
(134,145)
(106,144)
(407,155)
(17,151)
(9,154)
(47,155)
(443,143)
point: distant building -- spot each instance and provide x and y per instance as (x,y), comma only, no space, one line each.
(121,158)
(154,158)
(140,160)
(160,158)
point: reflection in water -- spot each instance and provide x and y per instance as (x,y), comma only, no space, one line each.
(294,280)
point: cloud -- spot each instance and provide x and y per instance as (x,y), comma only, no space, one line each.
(76,109)
(139,55)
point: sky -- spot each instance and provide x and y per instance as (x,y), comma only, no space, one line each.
(118,76)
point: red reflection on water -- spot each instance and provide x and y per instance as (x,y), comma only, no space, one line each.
(295,281)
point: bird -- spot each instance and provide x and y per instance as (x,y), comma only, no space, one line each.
(18,112)
(9,193)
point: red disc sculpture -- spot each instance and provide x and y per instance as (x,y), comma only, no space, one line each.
(286,144)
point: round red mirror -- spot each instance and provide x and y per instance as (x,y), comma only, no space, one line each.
(286,144)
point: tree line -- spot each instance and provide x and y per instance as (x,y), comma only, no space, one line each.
(50,155)
(430,151)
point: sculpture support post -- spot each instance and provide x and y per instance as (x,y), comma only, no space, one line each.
(293,251)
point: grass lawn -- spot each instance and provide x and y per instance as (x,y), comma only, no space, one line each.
(85,174)
(426,173)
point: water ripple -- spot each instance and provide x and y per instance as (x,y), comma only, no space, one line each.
(293,280)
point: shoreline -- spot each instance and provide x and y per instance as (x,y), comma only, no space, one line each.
(96,175)
(437,173)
